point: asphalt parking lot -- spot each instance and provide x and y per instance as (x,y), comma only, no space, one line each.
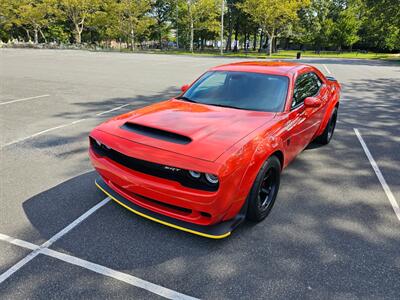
(333,233)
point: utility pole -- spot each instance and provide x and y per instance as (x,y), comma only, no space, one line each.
(177,33)
(222,26)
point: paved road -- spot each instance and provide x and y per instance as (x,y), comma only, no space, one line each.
(332,233)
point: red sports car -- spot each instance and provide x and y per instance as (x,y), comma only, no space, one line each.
(204,161)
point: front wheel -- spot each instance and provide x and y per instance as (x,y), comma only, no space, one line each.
(264,191)
(327,135)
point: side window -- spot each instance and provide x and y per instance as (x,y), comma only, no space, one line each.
(307,85)
(316,84)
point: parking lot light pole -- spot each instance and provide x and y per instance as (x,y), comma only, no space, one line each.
(222,26)
(177,33)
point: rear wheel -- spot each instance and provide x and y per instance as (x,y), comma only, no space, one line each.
(327,135)
(264,191)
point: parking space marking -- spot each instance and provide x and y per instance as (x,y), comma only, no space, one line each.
(114,109)
(75,223)
(379,174)
(23,99)
(129,279)
(19,265)
(42,132)
(48,243)
(132,280)
(62,126)
(18,242)
(326,68)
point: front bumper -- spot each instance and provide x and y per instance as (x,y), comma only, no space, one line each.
(217,231)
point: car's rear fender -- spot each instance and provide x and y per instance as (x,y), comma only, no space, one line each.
(334,102)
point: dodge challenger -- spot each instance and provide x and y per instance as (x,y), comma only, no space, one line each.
(206,160)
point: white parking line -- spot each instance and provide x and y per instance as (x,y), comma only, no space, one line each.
(75,223)
(48,243)
(18,242)
(23,99)
(61,126)
(19,265)
(42,132)
(378,173)
(129,279)
(326,68)
(114,109)
(132,280)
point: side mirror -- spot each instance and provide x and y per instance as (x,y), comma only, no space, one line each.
(312,102)
(184,88)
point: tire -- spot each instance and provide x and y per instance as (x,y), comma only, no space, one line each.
(327,135)
(265,188)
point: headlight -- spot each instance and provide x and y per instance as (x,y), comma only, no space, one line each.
(98,143)
(195,174)
(211,178)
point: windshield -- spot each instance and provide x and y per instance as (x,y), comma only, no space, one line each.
(242,90)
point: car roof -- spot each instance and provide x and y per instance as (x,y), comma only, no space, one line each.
(267,67)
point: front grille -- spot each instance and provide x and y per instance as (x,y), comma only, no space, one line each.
(163,171)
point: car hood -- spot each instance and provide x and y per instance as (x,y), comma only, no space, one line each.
(192,129)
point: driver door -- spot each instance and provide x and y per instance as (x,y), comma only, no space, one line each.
(302,122)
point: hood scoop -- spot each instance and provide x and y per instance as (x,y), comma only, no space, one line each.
(156,133)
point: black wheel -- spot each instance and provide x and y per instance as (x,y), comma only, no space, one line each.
(327,135)
(264,191)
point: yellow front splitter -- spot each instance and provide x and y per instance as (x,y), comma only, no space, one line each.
(217,231)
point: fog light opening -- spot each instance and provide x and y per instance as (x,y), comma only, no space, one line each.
(206,215)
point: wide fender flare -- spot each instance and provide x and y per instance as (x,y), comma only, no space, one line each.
(263,150)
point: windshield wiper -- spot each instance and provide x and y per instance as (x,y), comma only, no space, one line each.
(224,105)
(185,99)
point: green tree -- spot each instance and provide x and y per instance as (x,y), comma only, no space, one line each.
(272,15)
(346,27)
(7,18)
(125,20)
(163,11)
(315,24)
(35,14)
(78,12)
(202,15)
(381,26)
(106,21)
(132,18)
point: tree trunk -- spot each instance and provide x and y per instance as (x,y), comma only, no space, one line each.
(35,36)
(235,49)
(78,33)
(160,36)
(270,40)
(41,33)
(261,41)
(202,43)
(28,35)
(255,40)
(132,40)
(191,35)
